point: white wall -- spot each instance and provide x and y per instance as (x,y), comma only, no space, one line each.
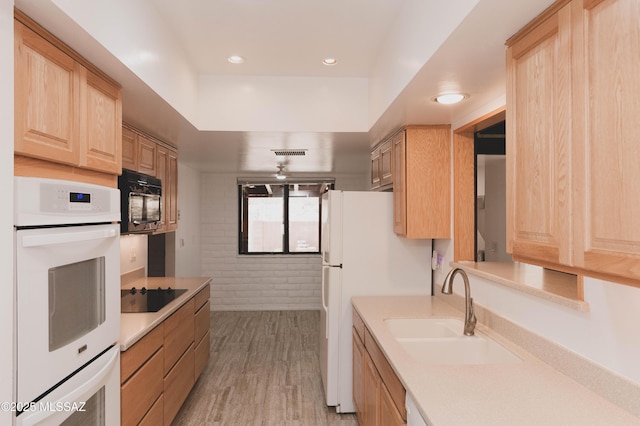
(188,235)
(133,252)
(254,282)
(6,213)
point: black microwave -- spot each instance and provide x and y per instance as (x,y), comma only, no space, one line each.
(140,202)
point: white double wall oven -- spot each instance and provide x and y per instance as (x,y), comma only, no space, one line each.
(67,279)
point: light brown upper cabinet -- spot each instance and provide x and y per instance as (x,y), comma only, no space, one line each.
(146,155)
(64,111)
(572,108)
(422,181)
(167,171)
(139,153)
(381,174)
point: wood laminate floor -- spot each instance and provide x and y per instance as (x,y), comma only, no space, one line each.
(263,370)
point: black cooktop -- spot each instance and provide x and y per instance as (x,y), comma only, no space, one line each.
(144,300)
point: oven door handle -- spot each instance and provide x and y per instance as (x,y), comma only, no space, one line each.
(67,237)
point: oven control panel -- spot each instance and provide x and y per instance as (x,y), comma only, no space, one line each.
(40,201)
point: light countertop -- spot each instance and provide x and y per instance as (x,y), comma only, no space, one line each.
(136,325)
(531,392)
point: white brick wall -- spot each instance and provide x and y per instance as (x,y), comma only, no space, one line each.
(254,282)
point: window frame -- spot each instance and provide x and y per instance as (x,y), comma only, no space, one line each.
(243,240)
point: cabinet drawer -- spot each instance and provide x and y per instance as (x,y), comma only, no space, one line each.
(202,297)
(358,324)
(141,390)
(154,415)
(202,322)
(202,355)
(178,334)
(178,384)
(396,389)
(141,351)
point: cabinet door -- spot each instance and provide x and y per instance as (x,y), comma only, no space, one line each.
(399,182)
(606,172)
(172,183)
(372,384)
(375,168)
(101,124)
(47,92)
(386,151)
(389,414)
(539,142)
(162,155)
(129,150)
(167,171)
(147,161)
(358,375)
(427,181)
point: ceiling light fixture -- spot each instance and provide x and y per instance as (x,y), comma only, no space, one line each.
(450,98)
(280,175)
(235,59)
(329,61)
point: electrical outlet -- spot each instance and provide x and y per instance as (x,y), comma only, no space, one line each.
(133,255)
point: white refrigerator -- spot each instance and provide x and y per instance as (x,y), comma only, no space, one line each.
(361,256)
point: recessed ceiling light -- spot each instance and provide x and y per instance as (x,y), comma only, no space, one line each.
(235,59)
(329,61)
(450,98)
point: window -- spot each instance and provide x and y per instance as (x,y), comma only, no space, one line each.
(280,218)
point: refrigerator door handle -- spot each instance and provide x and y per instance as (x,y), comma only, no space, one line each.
(324,303)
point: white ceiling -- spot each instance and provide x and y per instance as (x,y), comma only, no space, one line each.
(280,37)
(288,39)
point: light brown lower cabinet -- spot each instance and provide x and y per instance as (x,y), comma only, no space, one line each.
(155,414)
(177,384)
(378,394)
(358,387)
(158,372)
(141,390)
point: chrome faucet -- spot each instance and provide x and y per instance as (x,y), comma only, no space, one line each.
(469,315)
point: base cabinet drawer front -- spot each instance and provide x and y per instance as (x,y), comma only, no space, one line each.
(155,414)
(358,324)
(143,388)
(202,353)
(178,384)
(139,353)
(202,321)
(202,297)
(178,334)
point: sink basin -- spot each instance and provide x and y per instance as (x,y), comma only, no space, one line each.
(466,350)
(424,328)
(440,341)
